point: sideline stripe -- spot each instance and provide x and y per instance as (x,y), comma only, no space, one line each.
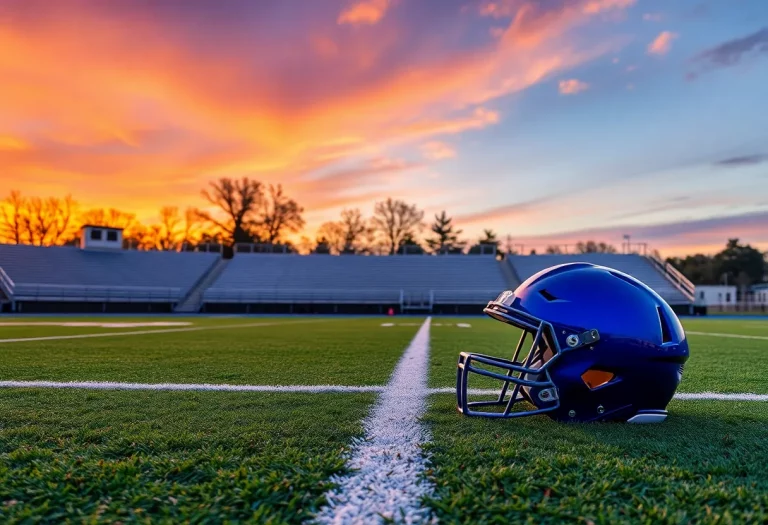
(680,396)
(147,332)
(386,482)
(313,389)
(734,336)
(110,385)
(715,396)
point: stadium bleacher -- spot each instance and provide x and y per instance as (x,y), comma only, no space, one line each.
(636,265)
(71,274)
(191,281)
(272,278)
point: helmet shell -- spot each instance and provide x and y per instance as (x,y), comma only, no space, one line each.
(641,341)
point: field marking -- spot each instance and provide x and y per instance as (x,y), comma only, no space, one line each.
(386,482)
(735,336)
(680,396)
(460,325)
(146,332)
(113,385)
(716,396)
(314,389)
(87,324)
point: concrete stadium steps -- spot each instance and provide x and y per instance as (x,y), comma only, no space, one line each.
(460,279)
(635,265)
(194,299)
(72,274)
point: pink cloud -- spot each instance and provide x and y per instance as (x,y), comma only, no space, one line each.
(572,86)
(662,43)
(597,6)
(436,150)
(364,12)
(186,107)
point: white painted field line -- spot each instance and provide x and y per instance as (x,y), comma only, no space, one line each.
(313,389)
(387,465)
(112,385)
(734,336)
(89,324)
(147,332)
(716,396)
(682,396)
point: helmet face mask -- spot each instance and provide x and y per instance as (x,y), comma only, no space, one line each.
(565,364)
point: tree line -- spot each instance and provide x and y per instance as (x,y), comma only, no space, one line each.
(245,210)
(737,264)
(240,211)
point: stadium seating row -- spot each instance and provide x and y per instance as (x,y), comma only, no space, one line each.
(69,274)
(261,278)
(65,273)
(638,266)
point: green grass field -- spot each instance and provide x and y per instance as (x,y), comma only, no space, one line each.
(141,456)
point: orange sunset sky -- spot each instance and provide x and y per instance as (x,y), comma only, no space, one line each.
(550,121)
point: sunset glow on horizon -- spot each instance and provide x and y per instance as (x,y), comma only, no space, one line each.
(552,121)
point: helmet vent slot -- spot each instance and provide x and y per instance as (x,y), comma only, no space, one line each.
(666,334)
(548,296)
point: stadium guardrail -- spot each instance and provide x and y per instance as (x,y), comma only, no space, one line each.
(680,281)
(465,296)
(261,295)
(64,292)
(7,284)
(370,296)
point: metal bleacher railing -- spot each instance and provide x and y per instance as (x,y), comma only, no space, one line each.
(6,284)
(128,294)
(680,281)
(370,296)
(315,295)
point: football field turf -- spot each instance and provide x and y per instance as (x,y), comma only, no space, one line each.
(169,438)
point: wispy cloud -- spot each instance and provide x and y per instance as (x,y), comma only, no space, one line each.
(673,237)
(743,160)
(572,86)
(11,143)
(597,6)
(662,43)
(734,51)
(653,17)
(505,212)
(436,150)
(271,92)
(364,12)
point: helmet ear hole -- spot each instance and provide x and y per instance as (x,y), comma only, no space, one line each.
(596,378)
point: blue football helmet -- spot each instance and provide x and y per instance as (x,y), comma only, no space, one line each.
(604,347)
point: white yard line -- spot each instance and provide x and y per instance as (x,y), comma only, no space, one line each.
(112,385)
(734,336)
(715,396)
(682,396)
(147,332)
(386,482)
(89,324)
(313,389)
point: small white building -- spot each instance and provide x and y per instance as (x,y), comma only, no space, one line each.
(760,294)
(715,295)
(101,237)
